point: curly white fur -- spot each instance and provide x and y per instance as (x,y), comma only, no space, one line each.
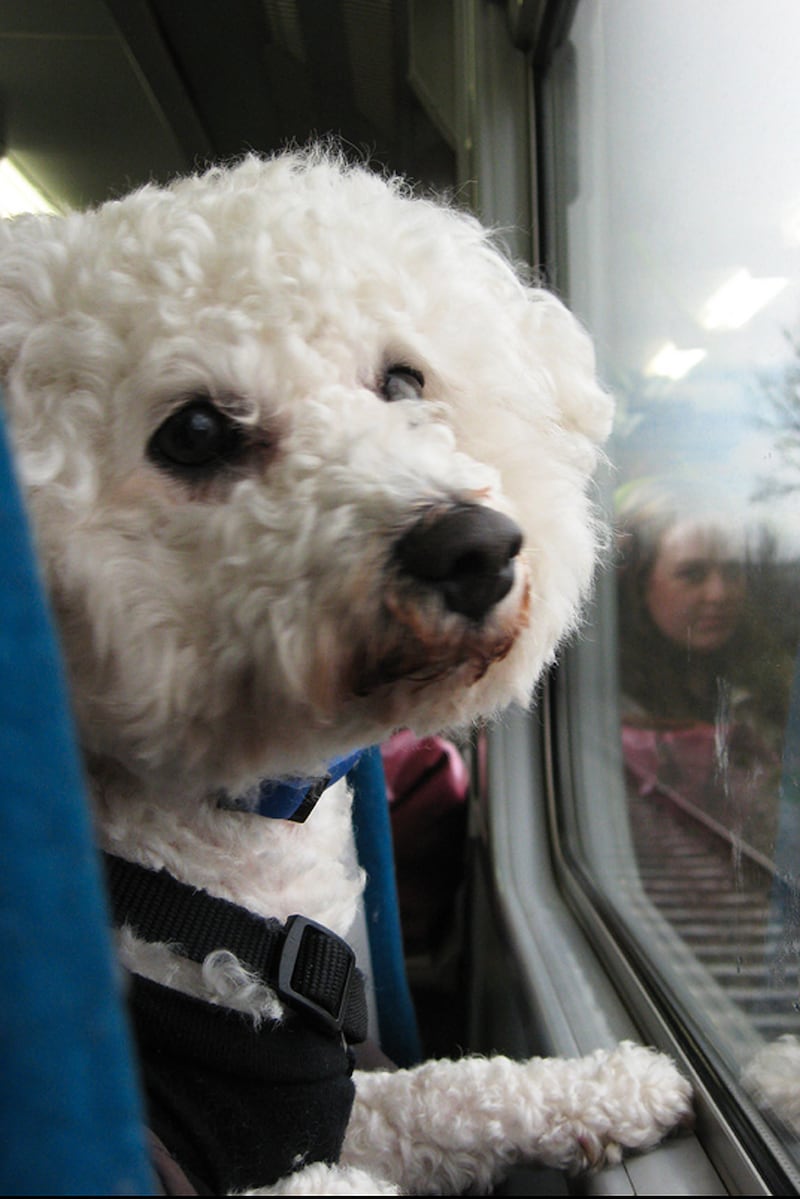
(252,621)
(771,1077)
(481,1116)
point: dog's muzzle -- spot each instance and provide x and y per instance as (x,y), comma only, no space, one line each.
(465,554)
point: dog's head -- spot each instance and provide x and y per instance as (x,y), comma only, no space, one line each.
(306,462)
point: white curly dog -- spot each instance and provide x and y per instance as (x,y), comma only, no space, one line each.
(307,462)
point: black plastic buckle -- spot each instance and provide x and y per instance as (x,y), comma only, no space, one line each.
(310,799)
(296,929)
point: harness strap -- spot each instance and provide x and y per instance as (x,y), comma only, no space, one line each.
(310,968)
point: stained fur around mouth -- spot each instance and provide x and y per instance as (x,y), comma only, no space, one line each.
(417,642)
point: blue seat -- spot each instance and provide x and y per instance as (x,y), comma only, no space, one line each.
(70,1111)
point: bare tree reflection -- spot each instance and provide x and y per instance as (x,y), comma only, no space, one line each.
(781,419)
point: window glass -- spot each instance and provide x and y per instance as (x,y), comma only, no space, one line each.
(675,211)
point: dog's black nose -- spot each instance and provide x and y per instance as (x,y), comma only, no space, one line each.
(466,553)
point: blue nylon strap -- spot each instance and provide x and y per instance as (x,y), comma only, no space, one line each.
(285,799)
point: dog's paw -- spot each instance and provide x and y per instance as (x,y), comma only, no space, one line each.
(771,1078)
(626,1098)
(321,1179)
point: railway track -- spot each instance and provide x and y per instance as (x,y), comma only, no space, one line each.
(720,897)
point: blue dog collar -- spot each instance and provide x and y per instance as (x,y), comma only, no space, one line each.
(292,798)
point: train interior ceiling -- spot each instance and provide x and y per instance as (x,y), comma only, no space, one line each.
(188,83)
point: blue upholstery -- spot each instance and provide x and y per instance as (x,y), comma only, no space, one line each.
(70,1116)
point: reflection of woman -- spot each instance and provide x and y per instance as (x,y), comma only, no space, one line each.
(682,595)
(701,704)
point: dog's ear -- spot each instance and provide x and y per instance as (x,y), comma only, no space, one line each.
(24,283)
(554,401)
(566,351)
(50,350)
(542,344)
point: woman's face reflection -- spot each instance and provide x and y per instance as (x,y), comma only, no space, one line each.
(696,588)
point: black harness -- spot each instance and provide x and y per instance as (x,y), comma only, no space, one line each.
(239,1105)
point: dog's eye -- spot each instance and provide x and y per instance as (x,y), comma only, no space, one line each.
(402,383)
(196,438)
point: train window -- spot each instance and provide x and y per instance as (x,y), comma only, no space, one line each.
(674,232)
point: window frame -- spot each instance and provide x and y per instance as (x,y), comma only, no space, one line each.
(582,977)
(746,1153)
